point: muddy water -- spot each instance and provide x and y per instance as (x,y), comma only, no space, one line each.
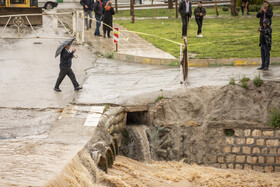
(128,172)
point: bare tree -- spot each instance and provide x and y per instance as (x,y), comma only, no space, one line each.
(170,4)
(132,10)
(116,5)
(233,8)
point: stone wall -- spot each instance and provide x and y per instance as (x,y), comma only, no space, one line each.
(256,148)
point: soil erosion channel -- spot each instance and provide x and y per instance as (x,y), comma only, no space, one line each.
(207,136)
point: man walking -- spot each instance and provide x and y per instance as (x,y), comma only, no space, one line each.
(65,68)
(265,44)
(185,9)
(98,10)
(265,13)
(199,13)
(88,8)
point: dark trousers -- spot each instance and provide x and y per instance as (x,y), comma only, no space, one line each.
(185,20)
(98,23)
(63,72)
(265,52)
(108,33)
(199,24)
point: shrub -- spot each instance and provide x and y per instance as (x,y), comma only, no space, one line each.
(232,81)
(107,106)
(159,98)
(254,8)
(225,9)
(244,85)
(258,81)
(274,118)
(244,79)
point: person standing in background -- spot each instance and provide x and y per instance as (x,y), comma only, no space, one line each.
(88,8)
(265,13)
(245,5)
(108,13)
(98,10)
(199,13)
(185,9)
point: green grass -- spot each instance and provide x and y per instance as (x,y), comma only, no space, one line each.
(232,81)
(230,37)
(274,118)
(164,12)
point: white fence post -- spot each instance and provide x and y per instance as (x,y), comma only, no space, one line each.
(83,28)
(55,24)
(74,22)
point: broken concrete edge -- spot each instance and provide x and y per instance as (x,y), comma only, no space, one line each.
(192,62)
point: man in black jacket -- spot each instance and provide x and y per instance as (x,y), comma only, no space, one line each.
(65,68)
(265,13)
(98,10)
(265,44)
(185,9)
(199,13)
(88,8)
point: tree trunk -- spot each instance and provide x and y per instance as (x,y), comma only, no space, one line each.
(116,6)
(216,6)
(170,4)
(176,4)
(132,10)
(233,8)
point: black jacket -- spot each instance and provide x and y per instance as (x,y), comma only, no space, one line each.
(108,18)
(65,59)
(90,6)
(98,10)
(268,15)
(265,36)
(197,12)
(182,8)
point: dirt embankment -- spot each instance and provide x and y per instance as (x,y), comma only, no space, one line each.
(223,104)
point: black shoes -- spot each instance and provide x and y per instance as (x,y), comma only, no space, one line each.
(78,88)
(262,68)
(57,89)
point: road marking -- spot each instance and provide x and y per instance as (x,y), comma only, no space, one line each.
(94,116)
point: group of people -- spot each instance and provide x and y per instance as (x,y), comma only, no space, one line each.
(103,12)
(265,14)
(185,9)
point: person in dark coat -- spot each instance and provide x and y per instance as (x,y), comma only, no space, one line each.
(65,69)
(265,44)
(98,10)
(108,13)
(265,13)
(199,13)
(88,8)
(185,9)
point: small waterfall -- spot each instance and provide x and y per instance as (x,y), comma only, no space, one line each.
(136,144)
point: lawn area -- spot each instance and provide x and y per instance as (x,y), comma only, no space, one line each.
(231,37)
(164,12)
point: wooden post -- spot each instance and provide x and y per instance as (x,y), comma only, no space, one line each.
(216,6)
(184,62)
(132,10)
(176,4)
(116,46)
(116,5)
